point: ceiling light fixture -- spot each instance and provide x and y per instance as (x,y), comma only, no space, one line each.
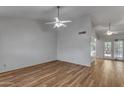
(58,23)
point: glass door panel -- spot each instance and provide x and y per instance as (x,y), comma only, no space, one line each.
(118,49)
(107,49)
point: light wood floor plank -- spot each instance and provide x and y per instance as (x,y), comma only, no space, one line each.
(105,73)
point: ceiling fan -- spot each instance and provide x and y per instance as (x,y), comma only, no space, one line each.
(58,23)
(109,32)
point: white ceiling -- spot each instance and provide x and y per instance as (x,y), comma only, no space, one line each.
(100,15)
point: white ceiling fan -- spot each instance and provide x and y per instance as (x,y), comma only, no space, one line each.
(109,32)
(59,23)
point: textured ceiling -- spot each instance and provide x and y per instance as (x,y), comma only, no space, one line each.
(99,15)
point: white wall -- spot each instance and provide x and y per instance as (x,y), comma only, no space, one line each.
(24,43)
(99,48)
(73,47)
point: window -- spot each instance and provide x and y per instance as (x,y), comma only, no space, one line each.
(107,49)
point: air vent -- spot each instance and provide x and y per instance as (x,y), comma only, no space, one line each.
(83,32)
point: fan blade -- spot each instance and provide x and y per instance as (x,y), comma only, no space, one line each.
(50,23)
(116,31)
(101,28)
(67,21)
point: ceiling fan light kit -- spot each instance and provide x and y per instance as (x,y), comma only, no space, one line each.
(109,33)
(58,23)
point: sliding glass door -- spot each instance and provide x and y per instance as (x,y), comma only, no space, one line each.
(114,50)
(108,49)
(118,49)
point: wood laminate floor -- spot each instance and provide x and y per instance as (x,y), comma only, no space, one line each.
(62,74)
